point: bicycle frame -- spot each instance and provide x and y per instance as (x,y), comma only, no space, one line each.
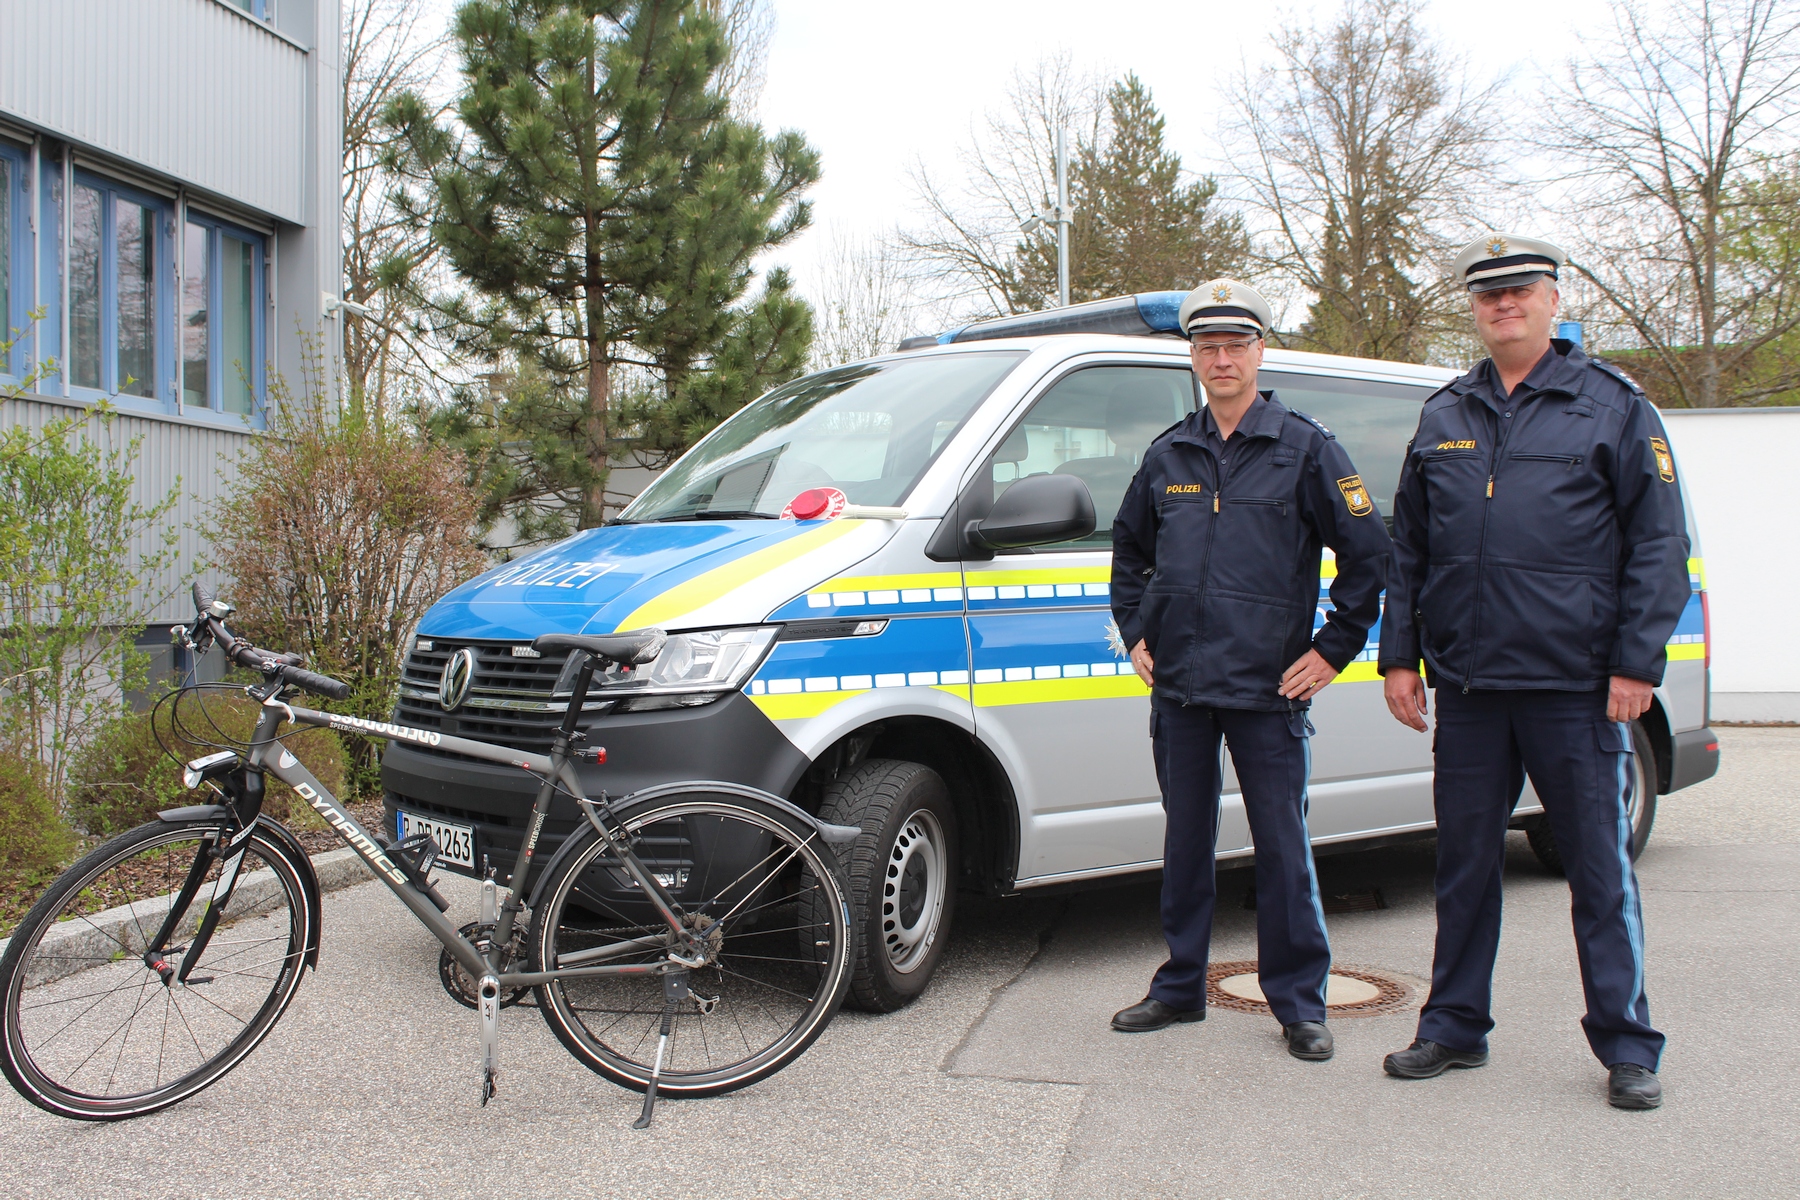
(553,769)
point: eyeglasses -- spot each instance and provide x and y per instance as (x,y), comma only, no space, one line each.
(1235,348)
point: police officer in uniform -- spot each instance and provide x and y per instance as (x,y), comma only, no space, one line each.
(1215,585)
(1541,567)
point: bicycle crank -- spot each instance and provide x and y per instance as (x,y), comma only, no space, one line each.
(487,994)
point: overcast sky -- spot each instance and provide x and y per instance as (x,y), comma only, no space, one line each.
(875,86)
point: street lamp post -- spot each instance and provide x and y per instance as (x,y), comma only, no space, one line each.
(1062,215)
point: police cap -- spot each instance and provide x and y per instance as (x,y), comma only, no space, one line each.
(1224,306)
(1500,260)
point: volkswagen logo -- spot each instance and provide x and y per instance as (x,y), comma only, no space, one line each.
(459,673)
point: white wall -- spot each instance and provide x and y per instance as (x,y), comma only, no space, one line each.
(1741,467)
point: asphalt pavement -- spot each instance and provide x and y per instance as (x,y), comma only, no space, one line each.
(1004,1080)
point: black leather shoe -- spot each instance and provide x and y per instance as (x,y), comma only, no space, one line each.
(1150,1014)
(1630,1086)
(1423,1059)
(1309,1040)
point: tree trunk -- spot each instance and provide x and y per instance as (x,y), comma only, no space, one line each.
(593,497)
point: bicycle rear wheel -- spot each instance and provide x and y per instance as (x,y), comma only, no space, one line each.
(765,897)
(97,1028)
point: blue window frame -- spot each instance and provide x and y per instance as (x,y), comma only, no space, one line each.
(15,260)
(221,317)
(120,293)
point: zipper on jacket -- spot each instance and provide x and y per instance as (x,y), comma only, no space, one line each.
(1481,552)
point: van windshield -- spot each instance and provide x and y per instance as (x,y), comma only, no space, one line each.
(870,430)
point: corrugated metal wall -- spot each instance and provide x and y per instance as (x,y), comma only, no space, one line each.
(199,460)
(189,88)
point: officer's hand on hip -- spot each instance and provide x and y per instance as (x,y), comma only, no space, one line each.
(1307,677)
(1142,663)
(1405,695)
(1628,699)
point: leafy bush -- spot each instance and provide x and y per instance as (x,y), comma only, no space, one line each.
(123,777)
(34,841)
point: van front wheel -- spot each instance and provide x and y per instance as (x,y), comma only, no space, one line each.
(901,873)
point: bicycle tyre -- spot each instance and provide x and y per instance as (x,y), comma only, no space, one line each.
(77,945)
(774,985)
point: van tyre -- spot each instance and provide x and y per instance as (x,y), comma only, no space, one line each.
(1641,811)
(901,873)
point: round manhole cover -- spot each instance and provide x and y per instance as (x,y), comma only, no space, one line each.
(1349,991)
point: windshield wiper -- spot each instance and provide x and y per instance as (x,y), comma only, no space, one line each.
(721,514)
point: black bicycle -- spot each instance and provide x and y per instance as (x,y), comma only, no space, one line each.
(691,938)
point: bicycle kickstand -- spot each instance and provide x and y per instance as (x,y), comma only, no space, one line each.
(675,990)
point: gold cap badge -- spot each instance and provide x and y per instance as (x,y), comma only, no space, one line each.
(1496,247)
(1222,294)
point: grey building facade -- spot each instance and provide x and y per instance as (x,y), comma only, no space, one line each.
(170,175)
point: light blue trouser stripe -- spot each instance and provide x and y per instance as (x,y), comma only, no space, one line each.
(1312,874)
(1634,915)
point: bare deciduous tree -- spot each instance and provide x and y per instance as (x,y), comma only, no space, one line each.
(971,234)
(749,25)
(863,302)
(1687,190)
(1370,153)
(388,48)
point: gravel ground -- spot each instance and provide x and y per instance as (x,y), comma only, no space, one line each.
(1004,1080)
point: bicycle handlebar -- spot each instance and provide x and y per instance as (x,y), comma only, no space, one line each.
(274,665)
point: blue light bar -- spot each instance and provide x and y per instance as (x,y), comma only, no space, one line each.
(1148,314)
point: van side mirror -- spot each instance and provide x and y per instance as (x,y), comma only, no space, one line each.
(1035,511)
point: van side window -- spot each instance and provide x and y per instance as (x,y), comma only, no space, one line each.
(1372,420)
(1095,424)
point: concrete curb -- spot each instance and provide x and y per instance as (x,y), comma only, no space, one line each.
(78,944)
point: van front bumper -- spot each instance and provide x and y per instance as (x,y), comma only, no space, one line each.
(728,740)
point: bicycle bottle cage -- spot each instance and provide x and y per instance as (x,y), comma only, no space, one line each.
(416,855)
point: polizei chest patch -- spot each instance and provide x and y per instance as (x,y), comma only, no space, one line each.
(1356,496)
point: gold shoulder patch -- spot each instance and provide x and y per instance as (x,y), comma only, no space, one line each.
(1665,462)
(1356,496)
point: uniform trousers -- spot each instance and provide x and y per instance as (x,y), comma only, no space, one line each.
(1485,745)
(1272,755)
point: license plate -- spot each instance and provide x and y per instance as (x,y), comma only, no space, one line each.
(456,843)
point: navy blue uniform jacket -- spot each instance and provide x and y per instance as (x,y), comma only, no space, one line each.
(1220,577)
(1540,537)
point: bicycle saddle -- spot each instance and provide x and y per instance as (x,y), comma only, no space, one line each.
(635,648)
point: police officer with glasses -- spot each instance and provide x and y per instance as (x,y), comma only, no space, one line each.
(1541,568)
(1215,584)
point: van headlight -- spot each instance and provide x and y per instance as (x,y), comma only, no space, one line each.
(703,665)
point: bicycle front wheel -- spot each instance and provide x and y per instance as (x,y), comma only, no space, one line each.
(98,1024)
(766,902)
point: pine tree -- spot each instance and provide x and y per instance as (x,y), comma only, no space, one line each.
(604,207)
(1139,227)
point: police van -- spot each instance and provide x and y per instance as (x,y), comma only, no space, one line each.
(887,601)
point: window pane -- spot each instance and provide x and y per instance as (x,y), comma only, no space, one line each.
(194,293)
(1372,421)
(135,230)
(84,288)
(1096,425)
(237,299)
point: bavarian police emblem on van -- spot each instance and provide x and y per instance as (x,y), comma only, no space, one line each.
(459,673)
(1222,294)
(1356,496)
(1665,462)
(1496,247)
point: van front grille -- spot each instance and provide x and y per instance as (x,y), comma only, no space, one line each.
(510,700)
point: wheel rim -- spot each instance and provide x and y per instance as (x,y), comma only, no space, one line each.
(95,1030)
(776,946)
(1641,783)
(912,891)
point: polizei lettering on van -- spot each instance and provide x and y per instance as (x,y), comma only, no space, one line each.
(356,837)
(386,729)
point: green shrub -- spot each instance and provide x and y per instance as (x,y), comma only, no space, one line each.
(123,777)
(34,841)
